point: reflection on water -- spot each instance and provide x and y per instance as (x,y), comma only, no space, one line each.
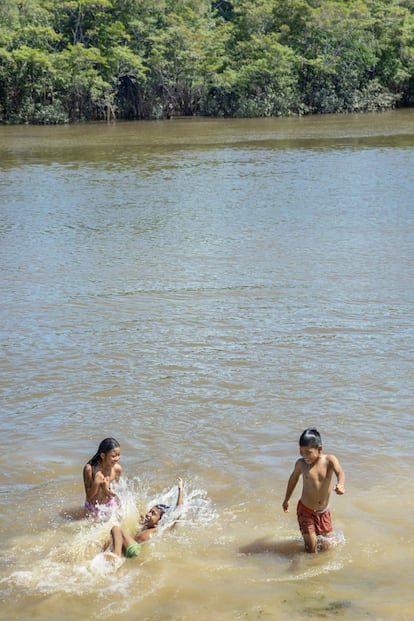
(203,290)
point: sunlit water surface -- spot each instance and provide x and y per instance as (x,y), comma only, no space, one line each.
(204,290)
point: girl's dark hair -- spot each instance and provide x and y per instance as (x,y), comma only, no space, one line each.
(310,437)
(105,446)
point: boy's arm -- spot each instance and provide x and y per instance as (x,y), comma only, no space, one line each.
(293,479)
(340,476)
(180,492)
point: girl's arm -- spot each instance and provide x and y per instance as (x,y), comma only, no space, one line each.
(91,484)
(115,476)
(118,472)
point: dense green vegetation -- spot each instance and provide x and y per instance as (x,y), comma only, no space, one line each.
(69,60)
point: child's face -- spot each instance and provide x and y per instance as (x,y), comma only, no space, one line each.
(152,518)
(310,454)
(111,458)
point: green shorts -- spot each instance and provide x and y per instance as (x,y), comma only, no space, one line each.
(132,550)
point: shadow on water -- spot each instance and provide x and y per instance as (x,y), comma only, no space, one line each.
(288,562)
(74,513)
(288,547)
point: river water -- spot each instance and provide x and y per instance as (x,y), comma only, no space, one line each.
(204,290)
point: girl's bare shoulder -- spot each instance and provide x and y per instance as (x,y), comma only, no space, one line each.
(87,470)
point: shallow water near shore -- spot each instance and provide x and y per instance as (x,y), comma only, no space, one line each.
(203,290)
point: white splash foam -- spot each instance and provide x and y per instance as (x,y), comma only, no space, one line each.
(69,558)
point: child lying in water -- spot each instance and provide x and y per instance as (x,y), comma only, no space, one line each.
(123,543)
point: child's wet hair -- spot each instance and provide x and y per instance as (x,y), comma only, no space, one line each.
(162,509)
(105,446)
(310,437)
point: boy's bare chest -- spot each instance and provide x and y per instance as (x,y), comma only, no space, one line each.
(316,474)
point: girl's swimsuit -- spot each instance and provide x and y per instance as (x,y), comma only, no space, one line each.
(104,509)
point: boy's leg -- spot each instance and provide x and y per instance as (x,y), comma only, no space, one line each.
(117,539)
(310,542)
(306,521)
(324,542)
(127,540)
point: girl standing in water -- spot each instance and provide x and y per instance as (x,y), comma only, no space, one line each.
(98,474)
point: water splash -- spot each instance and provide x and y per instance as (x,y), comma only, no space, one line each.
(70,558)
(335,538)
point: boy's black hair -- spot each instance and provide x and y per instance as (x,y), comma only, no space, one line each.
(310,437)
(162,509)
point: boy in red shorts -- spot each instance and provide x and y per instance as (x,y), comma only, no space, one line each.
(317,470)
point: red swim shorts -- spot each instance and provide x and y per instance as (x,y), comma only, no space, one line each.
(313,522)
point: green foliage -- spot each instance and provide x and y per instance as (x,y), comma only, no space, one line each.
(82,89)
(394,31)
(27,76)
(339,54)
(265,78)
(9,14)
(71,60)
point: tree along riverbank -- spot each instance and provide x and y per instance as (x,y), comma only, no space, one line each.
(73,60)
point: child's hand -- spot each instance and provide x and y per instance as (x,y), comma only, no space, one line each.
(101,479)
(285,506)
(339,489)
(180,483)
